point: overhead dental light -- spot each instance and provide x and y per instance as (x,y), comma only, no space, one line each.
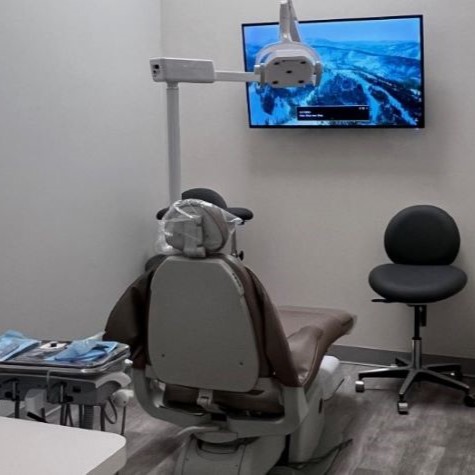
(288,63)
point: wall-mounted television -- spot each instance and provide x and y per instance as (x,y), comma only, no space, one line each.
(373,75)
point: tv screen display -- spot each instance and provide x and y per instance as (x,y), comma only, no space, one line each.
(373,75)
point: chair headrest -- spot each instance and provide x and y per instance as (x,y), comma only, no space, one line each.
(205,194)
(197,228)
(213,197)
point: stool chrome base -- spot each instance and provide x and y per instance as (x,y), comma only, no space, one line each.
(413,371)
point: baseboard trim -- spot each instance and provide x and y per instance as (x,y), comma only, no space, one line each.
(372,356)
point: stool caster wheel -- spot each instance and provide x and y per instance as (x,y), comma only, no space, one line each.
(469,400)
(403,407)
(359,386)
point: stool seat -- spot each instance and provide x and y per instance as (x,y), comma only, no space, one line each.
(416,283)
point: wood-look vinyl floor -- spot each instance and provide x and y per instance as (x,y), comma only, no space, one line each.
(436,438)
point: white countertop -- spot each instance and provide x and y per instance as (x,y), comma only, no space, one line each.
(28,447)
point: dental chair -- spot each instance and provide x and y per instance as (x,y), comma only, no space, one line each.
(247,382)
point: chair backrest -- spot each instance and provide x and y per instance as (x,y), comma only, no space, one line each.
(422,235)
(200,332)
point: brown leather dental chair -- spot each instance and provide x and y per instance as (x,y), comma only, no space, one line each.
(245,380)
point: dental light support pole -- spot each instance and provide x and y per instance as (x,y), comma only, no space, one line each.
(173,120)
(288,63)
(174,155)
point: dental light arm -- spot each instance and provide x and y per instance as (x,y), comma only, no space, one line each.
(289,24)
(288,63)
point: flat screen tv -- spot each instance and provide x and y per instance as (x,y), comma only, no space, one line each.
(373,75)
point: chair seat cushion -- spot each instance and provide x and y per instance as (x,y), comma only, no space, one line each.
(416,283)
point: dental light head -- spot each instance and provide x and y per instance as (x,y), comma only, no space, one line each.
(288,63)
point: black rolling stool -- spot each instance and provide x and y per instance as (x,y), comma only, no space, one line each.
(422,242)
(215,198)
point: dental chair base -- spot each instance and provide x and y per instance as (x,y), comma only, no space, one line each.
(213,447)
(303,441)
(255,456)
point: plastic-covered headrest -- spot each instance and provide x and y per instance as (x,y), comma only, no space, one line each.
(197,228)
(205,194)
(213,197)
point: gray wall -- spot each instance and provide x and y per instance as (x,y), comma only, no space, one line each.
(81,159)
(322,198)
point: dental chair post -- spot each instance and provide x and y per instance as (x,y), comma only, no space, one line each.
(234,251)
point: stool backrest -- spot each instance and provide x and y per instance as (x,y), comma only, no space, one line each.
(422,235)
